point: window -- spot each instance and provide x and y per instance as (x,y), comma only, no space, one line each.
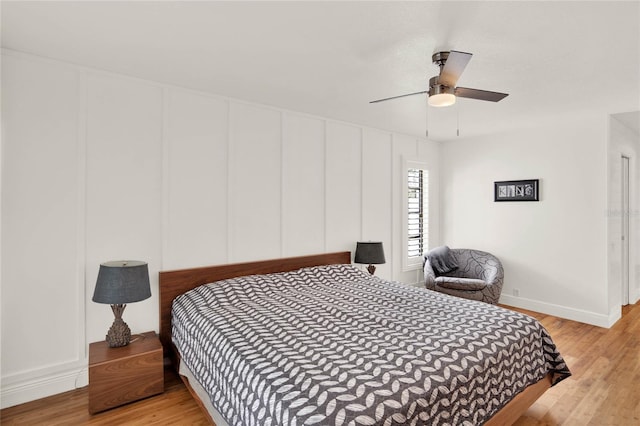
(416,217)
(415,211)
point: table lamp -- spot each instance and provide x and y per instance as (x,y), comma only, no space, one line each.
(121,282)
(371,253)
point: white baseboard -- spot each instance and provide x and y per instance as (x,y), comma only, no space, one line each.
(573,314)
(635,298)
(29,389)
(614,316)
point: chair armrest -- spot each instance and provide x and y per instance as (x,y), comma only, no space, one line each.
(494,272)
(429,275)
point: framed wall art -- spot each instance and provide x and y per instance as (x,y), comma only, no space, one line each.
(516,190)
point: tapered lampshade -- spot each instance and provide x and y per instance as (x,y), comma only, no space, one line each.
(122,281)
(371,253)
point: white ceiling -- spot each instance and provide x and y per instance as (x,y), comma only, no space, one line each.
(555,59)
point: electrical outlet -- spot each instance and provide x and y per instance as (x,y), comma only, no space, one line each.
(516,292)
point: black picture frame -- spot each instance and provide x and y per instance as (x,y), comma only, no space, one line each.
(516,190)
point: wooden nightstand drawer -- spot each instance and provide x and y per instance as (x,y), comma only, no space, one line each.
(121,375)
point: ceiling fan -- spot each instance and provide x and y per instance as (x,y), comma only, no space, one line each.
(442,91)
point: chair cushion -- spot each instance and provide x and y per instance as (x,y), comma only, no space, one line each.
(468,284)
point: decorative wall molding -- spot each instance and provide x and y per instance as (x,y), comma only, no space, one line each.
(324,185)
(166,173)
(81,243)
(230,158)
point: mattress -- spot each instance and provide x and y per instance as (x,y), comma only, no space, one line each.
(335,345)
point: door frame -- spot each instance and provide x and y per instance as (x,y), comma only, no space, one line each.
(625,228)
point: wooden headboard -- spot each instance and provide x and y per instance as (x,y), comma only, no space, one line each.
(174,283)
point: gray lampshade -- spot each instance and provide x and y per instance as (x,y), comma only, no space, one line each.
(122,281)
(370,253)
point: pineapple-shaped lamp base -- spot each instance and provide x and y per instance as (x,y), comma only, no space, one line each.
(119,333)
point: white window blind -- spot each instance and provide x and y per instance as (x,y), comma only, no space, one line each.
(417,213)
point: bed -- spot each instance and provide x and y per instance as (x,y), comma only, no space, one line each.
(314,340)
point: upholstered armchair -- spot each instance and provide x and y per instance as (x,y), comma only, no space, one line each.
(471,274)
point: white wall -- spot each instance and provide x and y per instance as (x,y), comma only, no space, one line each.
(553,251)
(43,309)
(622,141)
(100,167)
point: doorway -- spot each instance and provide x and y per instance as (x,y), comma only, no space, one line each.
(624,215)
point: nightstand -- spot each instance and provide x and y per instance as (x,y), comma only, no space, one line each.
(121,375)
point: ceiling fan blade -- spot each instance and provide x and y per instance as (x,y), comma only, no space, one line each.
(396,97)
(453,67)
(483,95)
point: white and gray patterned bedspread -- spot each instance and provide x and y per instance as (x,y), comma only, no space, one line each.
(333,345)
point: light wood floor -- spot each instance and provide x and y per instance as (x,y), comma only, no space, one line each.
(604,388)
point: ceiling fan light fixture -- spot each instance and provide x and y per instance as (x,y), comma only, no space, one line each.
(442,100)
(440,95)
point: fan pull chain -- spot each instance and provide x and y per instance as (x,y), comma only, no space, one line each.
(426,120)
(458,119)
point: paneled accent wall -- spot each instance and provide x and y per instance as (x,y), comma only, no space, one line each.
(43,311)
(303,152)
(100,167)
(196,176)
